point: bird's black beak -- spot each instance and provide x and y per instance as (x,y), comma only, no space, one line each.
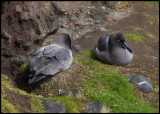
(73,47)
(126,47)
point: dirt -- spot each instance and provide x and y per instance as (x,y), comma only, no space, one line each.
(144,22)
(21,102)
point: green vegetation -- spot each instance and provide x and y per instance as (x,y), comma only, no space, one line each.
(6,107)
(23,67)
(90,54)
(104,84)
(73,104)
(36,105)
(116,92)
(152,4)
(156,2)
(133,37)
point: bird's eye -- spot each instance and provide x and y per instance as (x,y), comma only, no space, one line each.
(119,40)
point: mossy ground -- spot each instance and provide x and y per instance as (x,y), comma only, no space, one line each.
(133,37)
(14,106)
(105,84)
(102,83)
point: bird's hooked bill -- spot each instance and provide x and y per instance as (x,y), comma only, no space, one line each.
(126,47)
(74,48)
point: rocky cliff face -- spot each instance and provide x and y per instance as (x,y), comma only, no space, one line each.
(24,26)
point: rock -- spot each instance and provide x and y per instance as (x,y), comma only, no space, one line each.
(19,59)
(19,42)
(18,8)
(53,107)
(6,36)
(24,16)
(142,82)
(58,8)
(122,13)
(101,22)
(111,4)
(97,14)
(81,22)
(97,21)
(27,46)
(72,18)
(96,107)
(6,54)
(73,93)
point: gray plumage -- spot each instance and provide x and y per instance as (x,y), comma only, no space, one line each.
(112,49)
(52,59)
(142,82)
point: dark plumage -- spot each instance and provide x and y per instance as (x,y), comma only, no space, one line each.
(51,59)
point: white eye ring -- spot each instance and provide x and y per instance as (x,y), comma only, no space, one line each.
(119,40)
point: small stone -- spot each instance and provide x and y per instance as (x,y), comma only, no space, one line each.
(81,23)
(72,18)
(97,21)
(18,9)
(73,93)
(53,107)
(111,4)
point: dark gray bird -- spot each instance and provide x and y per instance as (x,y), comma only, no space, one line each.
(51,59)
(112,49)
(142,82)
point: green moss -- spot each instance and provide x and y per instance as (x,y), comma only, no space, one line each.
(152,4)
(90,53)
(23,67)
(105,84)
(133,37)
(156,89)
(5,105)
(88,59)
(115,91)
(73,104)
(36,105)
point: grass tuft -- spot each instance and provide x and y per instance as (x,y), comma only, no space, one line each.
(36,105)
(133,37)
(105,84)
(116,92)
(23,67)
(73,104)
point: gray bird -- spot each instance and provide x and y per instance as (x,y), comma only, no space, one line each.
(51,59)
(112,49)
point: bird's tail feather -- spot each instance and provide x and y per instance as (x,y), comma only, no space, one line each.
(35,79)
